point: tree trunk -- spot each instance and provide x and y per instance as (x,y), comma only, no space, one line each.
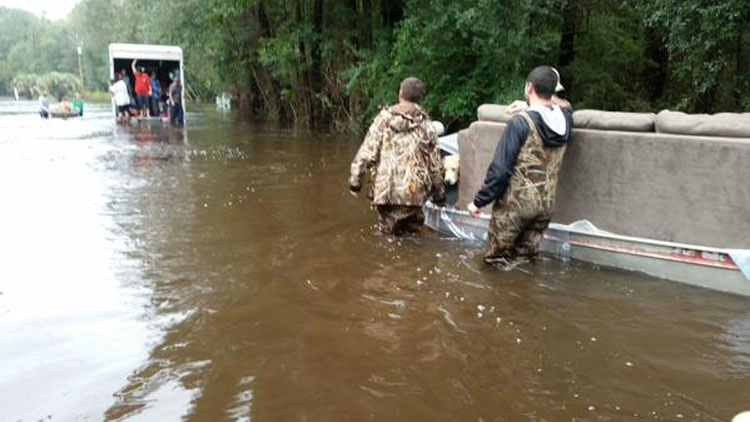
(266,30)
(366,37)
(303,76)
(570,15)
(392,11)
(655,76)
(263,21)
(316,71)
(739,70)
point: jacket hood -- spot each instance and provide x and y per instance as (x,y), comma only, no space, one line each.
(404,118)
(554,124)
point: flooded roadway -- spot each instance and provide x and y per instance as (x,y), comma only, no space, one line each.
(225,274)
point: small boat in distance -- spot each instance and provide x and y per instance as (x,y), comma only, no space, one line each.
(59,114)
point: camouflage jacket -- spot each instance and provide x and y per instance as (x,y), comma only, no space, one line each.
(534,179)
(401,152)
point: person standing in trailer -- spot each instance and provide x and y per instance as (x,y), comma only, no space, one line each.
(175,101)
(128,84)
(155,93)
(142,89)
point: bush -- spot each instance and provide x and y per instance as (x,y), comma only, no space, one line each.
(61,85)
(27,84)
(96,96)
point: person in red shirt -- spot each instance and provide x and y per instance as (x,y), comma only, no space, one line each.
(142,89)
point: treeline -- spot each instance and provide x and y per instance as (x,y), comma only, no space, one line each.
(322,62)
(34,53)
(55,84)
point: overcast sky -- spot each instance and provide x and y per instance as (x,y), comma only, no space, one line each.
(52,9)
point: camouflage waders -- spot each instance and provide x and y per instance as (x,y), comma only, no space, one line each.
(520,217)
(400,219)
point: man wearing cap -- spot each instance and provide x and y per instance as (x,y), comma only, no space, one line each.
(142,89)
(522,177)
(401,152)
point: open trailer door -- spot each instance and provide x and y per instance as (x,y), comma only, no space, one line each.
(165,60)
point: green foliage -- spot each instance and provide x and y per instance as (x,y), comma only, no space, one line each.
(610,60)
(467,52)
(28,85)
(283,60)
(59,85)
(97,96)
(708,50)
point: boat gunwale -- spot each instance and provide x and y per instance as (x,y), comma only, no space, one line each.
(725,261)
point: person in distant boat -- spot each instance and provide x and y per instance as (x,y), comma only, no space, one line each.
(401,153)
(78,104)
(155,93)
(66,107)
(142,89)
(43,106)
(119,91)
(522,177)
(176,116)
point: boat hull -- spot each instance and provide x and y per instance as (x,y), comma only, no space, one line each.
(64,115)
(705,267)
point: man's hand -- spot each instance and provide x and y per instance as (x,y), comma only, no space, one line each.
(560,101)
(517,107)
(439,201)
(473,210)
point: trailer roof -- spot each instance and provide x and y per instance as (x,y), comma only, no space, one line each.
(145,52)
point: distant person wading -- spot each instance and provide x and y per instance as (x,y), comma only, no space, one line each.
(43,106)
(401,154)
(522,177)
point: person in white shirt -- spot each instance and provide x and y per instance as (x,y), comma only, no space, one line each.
(119,91)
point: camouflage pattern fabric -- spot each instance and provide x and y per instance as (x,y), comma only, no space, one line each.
(402,153)
(400,219)
(520,217)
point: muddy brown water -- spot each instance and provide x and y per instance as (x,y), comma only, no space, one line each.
(223,273)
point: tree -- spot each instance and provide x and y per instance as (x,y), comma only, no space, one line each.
(28,85)
(321,62)
(707,45)
(61,85)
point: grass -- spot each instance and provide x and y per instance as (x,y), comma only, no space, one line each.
(96,96)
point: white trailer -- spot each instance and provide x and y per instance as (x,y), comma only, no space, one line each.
(165,60)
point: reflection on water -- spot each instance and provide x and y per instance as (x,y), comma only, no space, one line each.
(229,276)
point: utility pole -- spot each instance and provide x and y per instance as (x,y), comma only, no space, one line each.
(80,69)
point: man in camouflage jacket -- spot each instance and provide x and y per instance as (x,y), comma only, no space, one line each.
(522,177)
(400,152)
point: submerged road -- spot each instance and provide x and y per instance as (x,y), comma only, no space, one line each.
(225,273)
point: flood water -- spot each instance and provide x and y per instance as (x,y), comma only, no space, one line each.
(224,273)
